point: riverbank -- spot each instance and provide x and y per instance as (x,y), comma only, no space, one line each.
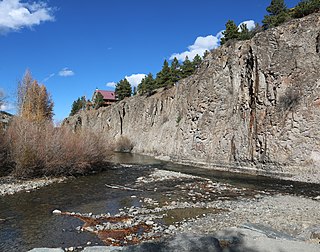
(10,185)
(306,174)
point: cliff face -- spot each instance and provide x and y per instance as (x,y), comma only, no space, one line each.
(255,102)
(4,119)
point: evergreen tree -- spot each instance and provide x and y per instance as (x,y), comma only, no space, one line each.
(276,7)
(123,89)
(231,32)
(187,68)
(244,32)
(77,105)
(34,101)
(306,7)
(175,70)
(147,85)
(163,78)
(98,100)
(278,14)
(197,61)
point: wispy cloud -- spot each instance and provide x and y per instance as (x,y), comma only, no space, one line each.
(15,15)
(65,72)
(135,79)
(203,44)
(48,77)
(111,84)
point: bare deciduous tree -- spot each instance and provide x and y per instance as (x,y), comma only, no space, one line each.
(34,101)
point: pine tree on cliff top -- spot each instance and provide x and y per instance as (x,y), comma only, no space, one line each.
(175,70)
(163,78)
(278,14)
(231,32)
(123,89)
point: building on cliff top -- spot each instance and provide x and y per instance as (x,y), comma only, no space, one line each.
(109,97)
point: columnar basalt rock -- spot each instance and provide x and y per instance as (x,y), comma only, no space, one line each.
(252,103)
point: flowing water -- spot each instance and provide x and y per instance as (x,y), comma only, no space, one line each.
(28,222)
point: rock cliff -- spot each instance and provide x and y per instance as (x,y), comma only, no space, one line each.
(4,119)
(253,103)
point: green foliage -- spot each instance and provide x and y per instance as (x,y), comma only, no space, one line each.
(187,68)
(278,14)
(306,7)
(164,78)
(276,7)
(197,61)
(123,89)
(175,70)
(98,100)
(147,85)
(244,32)
(77,105)
(169,75)
(231,32)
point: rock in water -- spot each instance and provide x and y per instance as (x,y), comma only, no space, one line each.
(56,211)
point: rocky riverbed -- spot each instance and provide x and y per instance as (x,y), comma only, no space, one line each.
(191,206)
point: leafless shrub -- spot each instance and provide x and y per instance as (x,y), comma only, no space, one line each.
(42,149)
(123,144)
(5,165)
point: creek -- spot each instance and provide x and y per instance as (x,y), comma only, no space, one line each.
(27,220)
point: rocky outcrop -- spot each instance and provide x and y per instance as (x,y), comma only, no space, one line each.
(4,119)
(253,103)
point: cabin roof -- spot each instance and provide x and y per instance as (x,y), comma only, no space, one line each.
(107,95)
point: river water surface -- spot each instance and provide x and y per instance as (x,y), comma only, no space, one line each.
(29,222)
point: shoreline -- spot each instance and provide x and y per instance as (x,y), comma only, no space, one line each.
(10,185)
(287,173)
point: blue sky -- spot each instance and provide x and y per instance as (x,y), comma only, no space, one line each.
(75,46)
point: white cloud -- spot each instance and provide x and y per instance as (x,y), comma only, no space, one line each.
(14,15)
(135,79)
(111,84)
(7,107)
(250,24)
(65,72)
(200,45)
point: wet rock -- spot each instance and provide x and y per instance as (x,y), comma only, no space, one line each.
(267,231)
(46,250)
(56,211)
(102,249)
(180,243)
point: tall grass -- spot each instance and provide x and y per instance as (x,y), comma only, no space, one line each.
(40,149)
